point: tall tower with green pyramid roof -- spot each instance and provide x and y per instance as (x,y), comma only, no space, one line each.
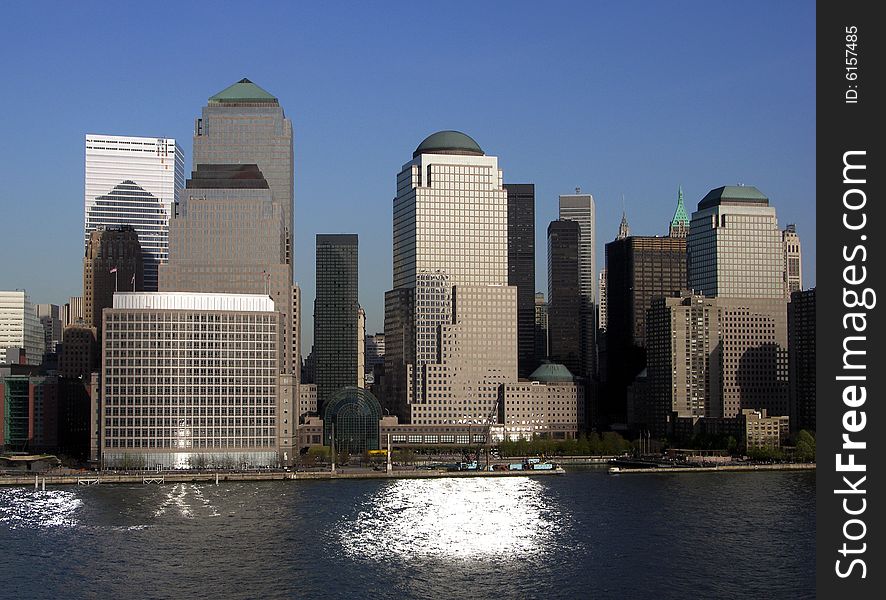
(680,223)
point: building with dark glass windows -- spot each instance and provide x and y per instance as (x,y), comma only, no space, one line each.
(521,269)
(564,294)
(639,269)
(801,359)
(113,263)
(335,315)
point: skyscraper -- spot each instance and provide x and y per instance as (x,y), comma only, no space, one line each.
(541,328)
(580,208)
(736,253)
(19,327)
(565,300)
(801,363)
(793,261)
(450,229)
(335,315)
(50,320)
(244,124)
(521,269)
(113,263)
(134,181)
(228,237)
(735,246)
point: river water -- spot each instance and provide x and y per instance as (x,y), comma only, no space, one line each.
(587,534)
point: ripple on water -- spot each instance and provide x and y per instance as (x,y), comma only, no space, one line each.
(452,518)
(21,507)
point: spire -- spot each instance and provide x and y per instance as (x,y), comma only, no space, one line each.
(680,222)
(623,229)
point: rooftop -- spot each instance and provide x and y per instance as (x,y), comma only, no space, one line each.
(449,142)
(733,194)
(549,372)
(244,91)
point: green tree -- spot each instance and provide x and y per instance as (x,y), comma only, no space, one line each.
(805,446)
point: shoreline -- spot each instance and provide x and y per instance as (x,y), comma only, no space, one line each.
(715,468)
(220,476)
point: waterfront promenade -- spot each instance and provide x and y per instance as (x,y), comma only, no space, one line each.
(152,477)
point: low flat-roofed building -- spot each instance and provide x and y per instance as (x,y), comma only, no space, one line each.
(762,431)
(550,405)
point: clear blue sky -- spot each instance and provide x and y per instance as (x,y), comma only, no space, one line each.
(630,98)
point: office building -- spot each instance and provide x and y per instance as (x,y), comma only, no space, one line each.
(793,261)
(244,124)
(307,401)
(801,359)
(564,295)
(134,181)
(763,431)
(361,348)
(241,125)
(375,353)
(450,229)
(714,357)
(50,319)
(336,315)
(478,352)
(602,312)
(541,328)
(521,268)
(549,405)
(72,311)
(735,247)
(80,352)
(295,356)
(212,394)
(638,270)
(113,263)
(20,329)
(580,208)
(228,238)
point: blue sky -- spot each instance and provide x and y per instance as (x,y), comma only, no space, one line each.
(630,98)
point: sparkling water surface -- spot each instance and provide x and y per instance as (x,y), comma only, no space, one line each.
(583,535)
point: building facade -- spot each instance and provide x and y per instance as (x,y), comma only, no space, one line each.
(541,328)
(580,208)
(793,261)
(244,124)
(735,247)
(19,327)
(521,268)
(336,315)
(194,380)
(113,263)
(134,181)
(564,294)
(228,237)
(801,359)
(450,229)
(549,405)
(50,319)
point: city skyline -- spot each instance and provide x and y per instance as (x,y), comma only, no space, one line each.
(610,143)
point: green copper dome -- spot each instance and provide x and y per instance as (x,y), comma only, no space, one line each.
(242,91)
(551,373)
(449,142)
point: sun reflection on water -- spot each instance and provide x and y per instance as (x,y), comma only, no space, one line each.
(25,508)
(453,518)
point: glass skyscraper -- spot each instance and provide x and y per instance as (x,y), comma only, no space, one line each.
(134,181)
(335,316)
(521,269)
(580,208)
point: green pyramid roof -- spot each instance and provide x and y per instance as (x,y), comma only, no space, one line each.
(242,91)
(680,215)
